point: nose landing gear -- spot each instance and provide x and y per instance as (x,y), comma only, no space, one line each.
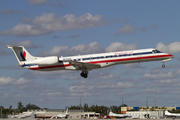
(163,66)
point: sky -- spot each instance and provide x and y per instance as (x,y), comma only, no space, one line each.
(72,27)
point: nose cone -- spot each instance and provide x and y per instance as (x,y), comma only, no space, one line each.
(171,56)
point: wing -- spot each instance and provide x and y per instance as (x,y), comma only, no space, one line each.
(83,65)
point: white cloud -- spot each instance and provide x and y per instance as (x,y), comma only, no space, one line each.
(47,23)
(171,48)
(44,19)
(11,81)
(52,93)
(128,29)
(6,80)
(124,85)
(37,2)
(90,48)
(159,76)
(178,72)
(5,12)
(152,90)
(117,46)
(21,81)
(133,65)
(154,26)
(26,43)
(97,88)
(93,47)
(24,30)
(4,53)
(167,81)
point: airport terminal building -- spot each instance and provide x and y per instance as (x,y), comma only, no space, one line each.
(72,114)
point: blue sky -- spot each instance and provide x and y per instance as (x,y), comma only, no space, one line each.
(66,27)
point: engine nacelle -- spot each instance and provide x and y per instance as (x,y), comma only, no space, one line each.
(47,60)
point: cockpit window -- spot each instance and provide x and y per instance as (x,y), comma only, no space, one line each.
(156,51)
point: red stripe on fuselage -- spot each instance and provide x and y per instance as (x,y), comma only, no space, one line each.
(105,61)
(48,67)
(133,58)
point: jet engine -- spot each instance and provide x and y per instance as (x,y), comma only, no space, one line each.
(47,60)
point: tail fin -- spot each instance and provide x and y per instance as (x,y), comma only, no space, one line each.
(110,113)
(21,53)
(166,112)
(66,111)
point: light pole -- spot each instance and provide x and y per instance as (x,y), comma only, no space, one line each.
(146,101)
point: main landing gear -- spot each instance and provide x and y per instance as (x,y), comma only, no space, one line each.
(83,74)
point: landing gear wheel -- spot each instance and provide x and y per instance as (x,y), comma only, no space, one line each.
(84,75)
(163,66)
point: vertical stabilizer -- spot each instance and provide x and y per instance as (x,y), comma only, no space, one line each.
(66,111)
(21,53)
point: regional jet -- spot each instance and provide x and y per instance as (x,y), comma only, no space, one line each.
(86,63)
(61,115)
(22,115)
(111,114)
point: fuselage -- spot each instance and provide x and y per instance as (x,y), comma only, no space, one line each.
(111,114)
(171,114)
(103,59)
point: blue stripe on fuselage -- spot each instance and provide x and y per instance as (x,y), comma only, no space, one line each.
(24,65)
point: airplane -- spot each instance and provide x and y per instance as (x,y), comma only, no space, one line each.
(23,115)
(168,114)
(111,114)
(86,63)
(61,115)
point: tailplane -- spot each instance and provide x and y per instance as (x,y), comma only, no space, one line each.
(21,53)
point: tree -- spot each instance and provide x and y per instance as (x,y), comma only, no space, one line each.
(86,108)
(74,107)
(20,106)
(10,109)
(32,106)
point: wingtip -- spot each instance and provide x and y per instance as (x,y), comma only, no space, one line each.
(9,46)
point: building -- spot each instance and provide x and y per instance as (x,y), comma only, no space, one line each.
(125,109)
(72,114)
(146,114)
